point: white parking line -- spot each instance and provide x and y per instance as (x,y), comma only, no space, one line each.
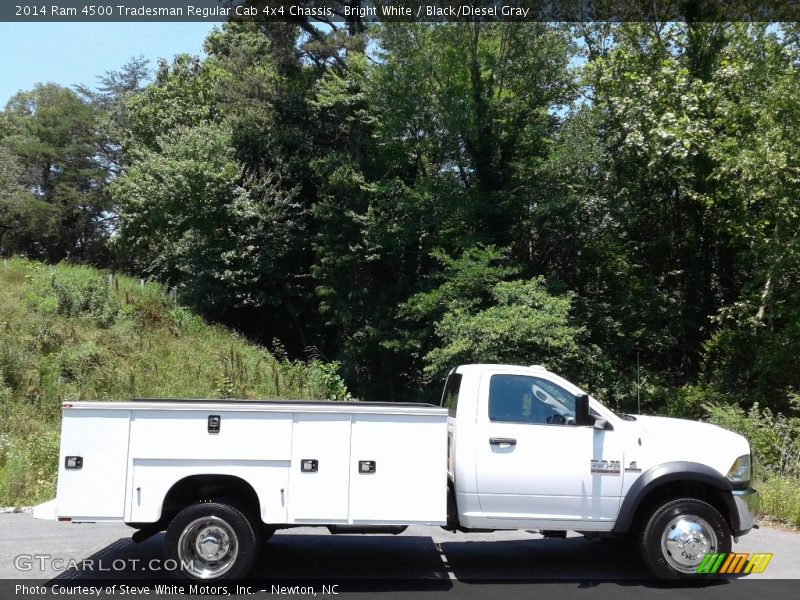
(446,563)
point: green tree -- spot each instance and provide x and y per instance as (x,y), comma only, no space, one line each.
(192,217)
(684,164)
(53,136)
(429,146)
(183,94)
(112,97)
(525,325)
(473,105)
(22,215)
(754,352)
(478,312)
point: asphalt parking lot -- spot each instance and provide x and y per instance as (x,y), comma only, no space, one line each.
(419,562)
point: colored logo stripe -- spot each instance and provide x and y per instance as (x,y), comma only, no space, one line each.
(733,563)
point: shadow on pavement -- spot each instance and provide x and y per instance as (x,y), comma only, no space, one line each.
(399,563)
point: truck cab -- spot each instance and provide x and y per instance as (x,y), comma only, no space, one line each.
(527,449)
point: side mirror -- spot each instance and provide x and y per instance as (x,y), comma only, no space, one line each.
(600,424)
(582,410)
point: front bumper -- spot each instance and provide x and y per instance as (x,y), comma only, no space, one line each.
(747,505)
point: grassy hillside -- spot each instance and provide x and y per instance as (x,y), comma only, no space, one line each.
(74,333)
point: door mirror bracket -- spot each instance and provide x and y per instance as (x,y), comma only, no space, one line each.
(602,424)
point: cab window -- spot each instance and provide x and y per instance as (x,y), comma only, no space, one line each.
(450,395)
(526,399)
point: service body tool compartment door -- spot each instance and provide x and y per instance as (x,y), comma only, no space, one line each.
(95,443)
(398,469)
(169,445)
(319,477)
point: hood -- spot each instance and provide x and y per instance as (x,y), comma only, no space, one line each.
(655,425)
(681,439)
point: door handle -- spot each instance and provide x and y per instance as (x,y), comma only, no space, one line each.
(502,441)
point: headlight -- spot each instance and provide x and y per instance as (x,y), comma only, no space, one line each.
(739,473)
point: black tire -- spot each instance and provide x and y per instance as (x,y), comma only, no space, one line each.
(678,535)
(262,531)
(222,530)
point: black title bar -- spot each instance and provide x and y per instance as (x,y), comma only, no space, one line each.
(366,11)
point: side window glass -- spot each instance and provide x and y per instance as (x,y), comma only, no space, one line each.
(450,394)
(526,399)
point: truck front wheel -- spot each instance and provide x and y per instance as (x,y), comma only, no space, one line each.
(211,540)
(679,534)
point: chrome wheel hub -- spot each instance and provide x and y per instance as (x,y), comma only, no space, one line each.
(685,541)
(207,548)
(212,543)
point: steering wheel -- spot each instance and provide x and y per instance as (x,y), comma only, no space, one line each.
(556,419)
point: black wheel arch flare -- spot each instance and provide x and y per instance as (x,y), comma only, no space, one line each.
(670,473)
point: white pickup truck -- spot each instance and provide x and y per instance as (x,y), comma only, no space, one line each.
(511,448)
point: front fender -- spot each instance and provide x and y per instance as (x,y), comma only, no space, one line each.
(671,472)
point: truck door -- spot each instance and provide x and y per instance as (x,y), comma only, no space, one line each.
(533,463)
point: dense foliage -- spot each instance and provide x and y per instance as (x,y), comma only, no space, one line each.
(775,442)
(404,197)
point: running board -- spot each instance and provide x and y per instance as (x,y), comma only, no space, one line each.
(374,529)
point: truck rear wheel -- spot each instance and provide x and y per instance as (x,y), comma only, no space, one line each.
(679,534)
(211,540)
